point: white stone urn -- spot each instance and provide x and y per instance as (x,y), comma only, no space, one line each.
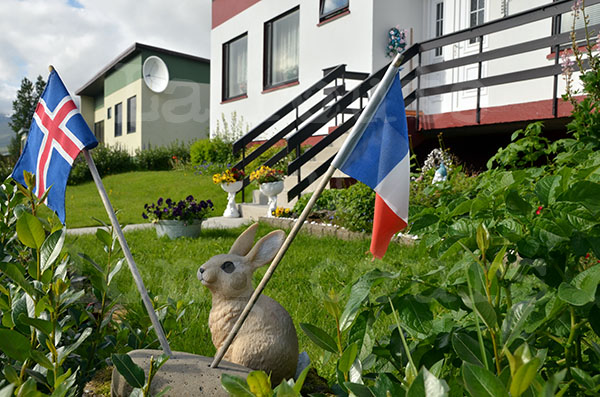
(271,190)
(231,211)
(175,229)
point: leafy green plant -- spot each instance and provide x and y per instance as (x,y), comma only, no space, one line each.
(162,157)
(108,159)
(258,384)
(215,150)
(326,201)
(134,374)
(585,125)
(39,336)
(355,208)
(526,151)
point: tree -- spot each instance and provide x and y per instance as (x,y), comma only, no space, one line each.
(23,109)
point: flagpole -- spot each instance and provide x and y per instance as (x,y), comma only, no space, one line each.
(132,266)
(344,151)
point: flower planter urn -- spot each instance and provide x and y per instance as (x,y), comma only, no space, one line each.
(271,190)
(175,229)
(231,211)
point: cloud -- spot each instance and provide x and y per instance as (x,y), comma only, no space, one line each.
(80,37)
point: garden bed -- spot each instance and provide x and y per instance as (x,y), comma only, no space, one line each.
(329,230)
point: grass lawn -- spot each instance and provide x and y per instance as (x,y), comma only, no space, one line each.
(129,192)
(311,266)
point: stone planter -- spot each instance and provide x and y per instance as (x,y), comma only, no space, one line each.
(231,211)
(175,229)
(271,190)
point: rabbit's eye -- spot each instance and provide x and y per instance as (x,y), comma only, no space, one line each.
(228,267)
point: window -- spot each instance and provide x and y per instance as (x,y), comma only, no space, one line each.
(331,8)
(131,108)
(566,20)
(281,49)
(476,15)
(235,67)
(439,25)
(109,113)
(99,131)
(118,119)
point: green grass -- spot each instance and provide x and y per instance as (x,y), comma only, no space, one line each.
(129,192)
(311,266)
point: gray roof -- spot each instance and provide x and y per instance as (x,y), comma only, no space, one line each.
(96,84)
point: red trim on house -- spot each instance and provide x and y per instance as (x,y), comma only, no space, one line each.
(538,110)
(237,98)
(224,10)
(333,18)
(582,49)
(279,87)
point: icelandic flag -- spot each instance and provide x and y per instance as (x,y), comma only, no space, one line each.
(378,156)
(57,134)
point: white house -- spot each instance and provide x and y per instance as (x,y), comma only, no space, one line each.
(265,52)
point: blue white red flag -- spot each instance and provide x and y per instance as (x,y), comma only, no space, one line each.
(57,134)
(377,154)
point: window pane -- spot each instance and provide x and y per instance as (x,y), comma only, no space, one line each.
(473,5)
(131,116)
(237,61)
(118,119)
(330,6)
(284,49)
(473,19)
(481,3)
(566,21)
(99,131)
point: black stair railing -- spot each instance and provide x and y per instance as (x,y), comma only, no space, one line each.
(293,105)
(556,41)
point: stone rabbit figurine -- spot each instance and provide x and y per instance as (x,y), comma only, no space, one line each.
(267,340)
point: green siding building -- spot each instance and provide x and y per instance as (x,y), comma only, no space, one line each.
(124,106)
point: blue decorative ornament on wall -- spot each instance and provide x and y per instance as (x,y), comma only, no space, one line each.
(396,41)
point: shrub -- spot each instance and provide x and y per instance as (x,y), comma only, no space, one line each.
(355,208)
(6,167)
(108,159)
(162,158)
(214,150)
(326,201)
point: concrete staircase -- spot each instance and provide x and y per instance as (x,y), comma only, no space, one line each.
(258,207)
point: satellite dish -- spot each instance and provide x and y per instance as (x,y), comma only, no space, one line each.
(156,74)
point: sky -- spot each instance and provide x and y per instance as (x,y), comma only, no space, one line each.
(80,37)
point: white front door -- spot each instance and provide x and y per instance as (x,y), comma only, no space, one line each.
(470,13)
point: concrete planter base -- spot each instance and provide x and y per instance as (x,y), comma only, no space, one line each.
(187,375)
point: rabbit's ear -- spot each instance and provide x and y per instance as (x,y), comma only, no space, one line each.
(265,250)
(244,242)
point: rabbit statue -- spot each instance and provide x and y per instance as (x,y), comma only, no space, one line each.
(267,340)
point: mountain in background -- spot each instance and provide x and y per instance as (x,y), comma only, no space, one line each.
(6,133)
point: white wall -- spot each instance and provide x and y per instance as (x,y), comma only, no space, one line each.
(179,114)
(345,40)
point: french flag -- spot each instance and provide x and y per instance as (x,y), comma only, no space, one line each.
(377,154)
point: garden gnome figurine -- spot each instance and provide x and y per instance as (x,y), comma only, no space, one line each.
(440,174)
(267,340)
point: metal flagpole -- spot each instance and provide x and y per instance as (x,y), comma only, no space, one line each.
(132,266)
(344,151)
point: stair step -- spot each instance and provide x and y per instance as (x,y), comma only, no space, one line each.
(253,211)
(329,90)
